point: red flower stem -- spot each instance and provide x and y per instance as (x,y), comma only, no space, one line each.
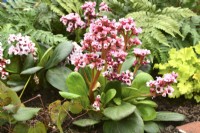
(91,94)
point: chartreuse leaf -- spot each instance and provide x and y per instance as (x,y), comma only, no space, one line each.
(119,112)
(59,54)
(85,122)
(140,82)
(39,127)
(31,70)
(57,77)
(169,116)
(131,124)
(68,95)
(151,127)
(147,112)
(76,84)
(75,107)
(21,128)
(25,113)
(45,57)
(58,113)
(197,48)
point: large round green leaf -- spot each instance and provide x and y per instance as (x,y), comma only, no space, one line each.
(57,77)
(68,95)
(140,82)
(29,62)
(59,54)
(151,127)
(76,84)
(132,124)
(15,65)
(119,112)
(147,112)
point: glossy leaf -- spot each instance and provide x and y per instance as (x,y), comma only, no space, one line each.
(119,112)
(151,127)
(169,116)
(147,112)
(31,70)
(29,62)
(76,84)
(14,66)
(85,122)
(148,103)
(57,77)
(68,95)
(140,82)
(25,113)
(59,54)
(132,124)
(45,57)
(110,94)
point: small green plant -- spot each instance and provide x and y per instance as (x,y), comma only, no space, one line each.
(186,63)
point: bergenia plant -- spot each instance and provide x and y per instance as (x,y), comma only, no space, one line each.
(101,84)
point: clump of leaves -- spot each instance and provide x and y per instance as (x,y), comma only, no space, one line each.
(186,63)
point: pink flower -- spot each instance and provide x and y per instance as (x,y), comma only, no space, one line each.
(163,85)
(3,63)
(141,52)
(96,105)
(89,10)
(72,21)
(104,7)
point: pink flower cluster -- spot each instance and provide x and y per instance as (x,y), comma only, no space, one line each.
(163,85)
(104,7)
(96,104)
(22,45)
(89,10)
(140,55)
(72,21)
(3,63)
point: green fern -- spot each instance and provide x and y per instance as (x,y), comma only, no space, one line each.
(158,24)
(61,7)
(46,37)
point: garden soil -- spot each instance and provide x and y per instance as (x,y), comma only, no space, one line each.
(189,108)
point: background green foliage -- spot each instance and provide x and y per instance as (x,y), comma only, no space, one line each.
(186,63)
(163,28)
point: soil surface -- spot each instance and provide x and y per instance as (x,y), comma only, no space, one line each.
(189,108)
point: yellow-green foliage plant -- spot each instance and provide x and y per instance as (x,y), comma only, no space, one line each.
(185,62)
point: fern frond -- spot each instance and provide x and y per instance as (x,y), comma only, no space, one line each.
(46,37)
(177,12)
(141,5)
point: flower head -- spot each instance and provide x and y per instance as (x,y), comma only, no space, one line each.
(89,10)
(104,7)
(22,45)
(72,21)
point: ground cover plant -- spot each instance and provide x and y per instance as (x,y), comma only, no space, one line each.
(101,73)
